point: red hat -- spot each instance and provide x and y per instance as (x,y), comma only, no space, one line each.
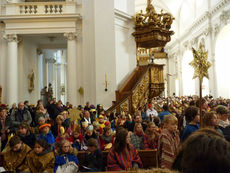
(44,125)
(149,105)
(107,123)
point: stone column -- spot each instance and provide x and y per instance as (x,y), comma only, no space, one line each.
(12,69)
(71,68)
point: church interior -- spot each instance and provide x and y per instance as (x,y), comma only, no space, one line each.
(112,79)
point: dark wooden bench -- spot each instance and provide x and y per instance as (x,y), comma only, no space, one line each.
(148,158)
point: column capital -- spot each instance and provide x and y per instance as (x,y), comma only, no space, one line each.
(70,35)
(11,37)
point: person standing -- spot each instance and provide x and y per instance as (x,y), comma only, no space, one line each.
(151,112)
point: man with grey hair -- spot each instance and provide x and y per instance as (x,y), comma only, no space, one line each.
(20,115)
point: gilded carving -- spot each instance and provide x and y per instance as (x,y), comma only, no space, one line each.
(140,93)
(152,29)
(125,106)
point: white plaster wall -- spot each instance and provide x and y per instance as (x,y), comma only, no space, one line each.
(102,44)
(201,7)
(186,15)
(203,27)
(88,51)
(125,51)
(126,6)
(105,51)
(213,2)
(28,60)
(171,76)
(3,63)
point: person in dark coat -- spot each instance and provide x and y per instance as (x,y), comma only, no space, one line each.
(20,115)
(93,157)
(25,134)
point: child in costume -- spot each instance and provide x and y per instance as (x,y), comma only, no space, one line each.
(46,134)
(169,141)
(41,159)
(78,138)
(107,139)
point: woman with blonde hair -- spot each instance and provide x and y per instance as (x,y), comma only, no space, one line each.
(65,157)
(137,138)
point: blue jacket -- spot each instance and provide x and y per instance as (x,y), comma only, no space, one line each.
(60,160)
(49,138)
(188,130)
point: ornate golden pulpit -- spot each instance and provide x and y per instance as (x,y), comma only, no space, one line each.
(156,80)
(152,32)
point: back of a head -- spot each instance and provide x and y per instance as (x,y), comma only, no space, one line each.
(220,109)
(208,119)
(120,140)
(190,113)
(92,142)
(43,143)
(205,151)
(165,107)
(14,141)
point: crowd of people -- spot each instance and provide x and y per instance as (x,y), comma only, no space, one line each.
(45,139)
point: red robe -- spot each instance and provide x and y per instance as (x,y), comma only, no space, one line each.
(124,160)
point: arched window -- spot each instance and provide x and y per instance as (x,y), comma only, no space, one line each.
(222,62)
(187,74)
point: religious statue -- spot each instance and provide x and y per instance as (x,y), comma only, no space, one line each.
(44,96)
(31,81)
(50,92)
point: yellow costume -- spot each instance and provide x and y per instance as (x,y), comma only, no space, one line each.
(41,163)
(16,160)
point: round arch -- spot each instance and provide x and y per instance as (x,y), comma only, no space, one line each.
(222,60)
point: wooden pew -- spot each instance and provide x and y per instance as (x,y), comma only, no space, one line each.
(148,158)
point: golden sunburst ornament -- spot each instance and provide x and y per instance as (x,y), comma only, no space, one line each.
(200,63)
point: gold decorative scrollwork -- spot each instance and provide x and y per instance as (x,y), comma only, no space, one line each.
(124,107)
(139,93)
(152,29)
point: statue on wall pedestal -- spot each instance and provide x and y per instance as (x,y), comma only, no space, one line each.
(44,96)
(31,82)
(50,92)
(47,95)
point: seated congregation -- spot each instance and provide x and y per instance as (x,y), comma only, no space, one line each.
(165,133)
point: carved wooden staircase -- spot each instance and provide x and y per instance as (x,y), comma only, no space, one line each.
(143,84)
